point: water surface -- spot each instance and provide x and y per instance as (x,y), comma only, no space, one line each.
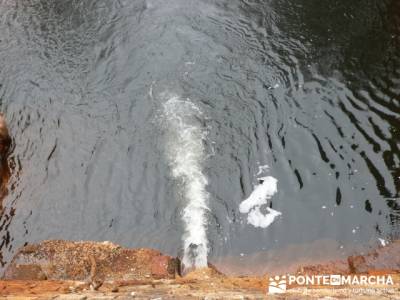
(308,88)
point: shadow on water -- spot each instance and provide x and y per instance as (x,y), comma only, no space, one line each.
(309,89)
(357,44)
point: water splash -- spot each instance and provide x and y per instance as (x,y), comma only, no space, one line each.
(259,197)
(186,153)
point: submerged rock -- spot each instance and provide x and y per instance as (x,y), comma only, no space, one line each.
(5,139)
(5,144)
(382,259)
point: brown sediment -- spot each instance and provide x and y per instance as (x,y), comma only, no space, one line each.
(5,139)
(5,143)
(89,270)
(287,259)
(380,260)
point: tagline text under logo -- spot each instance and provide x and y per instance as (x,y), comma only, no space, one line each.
(279,284)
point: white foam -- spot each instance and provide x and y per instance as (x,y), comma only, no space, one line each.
(260,196)
(262,169)
(258,219)
(186,154)
(383,242)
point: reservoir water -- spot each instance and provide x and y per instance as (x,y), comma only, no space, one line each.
(206,129)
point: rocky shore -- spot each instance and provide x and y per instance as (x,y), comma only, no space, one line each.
(103,270)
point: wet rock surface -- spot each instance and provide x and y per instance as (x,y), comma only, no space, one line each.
(89,261)
(94,270)
(5,145)
(382,259)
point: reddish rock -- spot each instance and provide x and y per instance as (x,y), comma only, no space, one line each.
(385,259)
(334,267)
(162,267)
(93,262)
(357,264)
(5,139)
(117,272)
(28,272)
(5,143)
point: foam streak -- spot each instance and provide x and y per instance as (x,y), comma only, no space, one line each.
(186,153)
